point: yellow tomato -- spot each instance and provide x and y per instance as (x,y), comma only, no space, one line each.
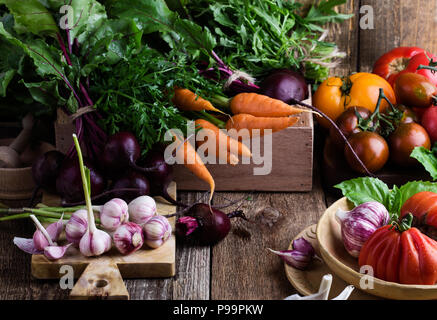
(336,94)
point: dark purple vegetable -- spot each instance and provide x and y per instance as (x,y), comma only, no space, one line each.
(45,170)
(69,181)
(161,176)
(286,85)
(133,180)
(206,224)
(121,152)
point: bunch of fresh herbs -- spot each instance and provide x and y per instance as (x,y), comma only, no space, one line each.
(257,36)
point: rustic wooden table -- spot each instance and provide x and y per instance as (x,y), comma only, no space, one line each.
(240,267)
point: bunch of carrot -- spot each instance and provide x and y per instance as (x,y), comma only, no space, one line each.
(251,111)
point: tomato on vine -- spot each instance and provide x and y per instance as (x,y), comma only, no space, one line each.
(335,95)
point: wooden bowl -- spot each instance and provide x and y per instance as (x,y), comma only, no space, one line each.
(17,183)
(346,267)
(307,282)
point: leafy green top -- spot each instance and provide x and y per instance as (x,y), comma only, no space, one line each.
(362,190)
(258,35)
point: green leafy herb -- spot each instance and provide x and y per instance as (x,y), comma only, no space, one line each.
(427,158)
(362,190)
(258,35)
(135,93)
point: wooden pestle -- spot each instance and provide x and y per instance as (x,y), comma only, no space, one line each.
(10,155)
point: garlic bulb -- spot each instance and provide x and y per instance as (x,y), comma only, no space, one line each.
(76,226)
(128,238)
(95,243)
(142,209)
(156,231)
(360,223)
(113,213)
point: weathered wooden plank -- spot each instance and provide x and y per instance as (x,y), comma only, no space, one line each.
(242,267)
(192,280)
(398,23)
(346,36)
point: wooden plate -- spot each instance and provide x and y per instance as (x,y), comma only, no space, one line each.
(346,267)
(307,282)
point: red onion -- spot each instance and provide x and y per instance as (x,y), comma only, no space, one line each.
(360,223)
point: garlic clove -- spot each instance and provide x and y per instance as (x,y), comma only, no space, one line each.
(128,238)
(345,294)
(95,243)
(114,213)
(27,245)
(39,240)
(294,258)
(142,209)
(76,226)
(303,246)
(301,255)
(322,294)
(54,231)
(56,252)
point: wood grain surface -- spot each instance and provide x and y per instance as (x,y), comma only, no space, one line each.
(241,267)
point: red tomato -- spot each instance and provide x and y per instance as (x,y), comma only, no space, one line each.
(402,60)
(407,257)
(402,142)
(429,122)
(423,206)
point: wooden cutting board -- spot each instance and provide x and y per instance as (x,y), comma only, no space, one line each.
(102,277)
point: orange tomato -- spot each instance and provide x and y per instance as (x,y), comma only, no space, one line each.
(335,94)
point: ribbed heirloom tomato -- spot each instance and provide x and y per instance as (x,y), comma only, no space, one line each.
(335,95)
(401,254)
(423,206)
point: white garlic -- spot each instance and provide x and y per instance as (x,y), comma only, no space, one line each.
(95,243)
(142,209)
(76,226)
(128,238)
(156,231)
(114,213)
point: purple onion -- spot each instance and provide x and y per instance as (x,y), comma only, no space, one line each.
(360,223)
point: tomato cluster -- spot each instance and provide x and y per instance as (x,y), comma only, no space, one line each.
(384,130)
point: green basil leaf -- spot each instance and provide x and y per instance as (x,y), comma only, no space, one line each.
(411,188)
(427,159)
(362,190)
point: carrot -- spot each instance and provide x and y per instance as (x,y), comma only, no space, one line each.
(259,105)
(187,100)
(247,121)
(233,146)
(193,162)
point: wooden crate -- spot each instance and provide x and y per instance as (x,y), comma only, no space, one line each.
(292,165)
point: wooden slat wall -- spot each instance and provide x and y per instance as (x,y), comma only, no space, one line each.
(398,23)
